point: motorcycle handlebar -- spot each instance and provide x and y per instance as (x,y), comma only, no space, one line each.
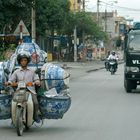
(15,84)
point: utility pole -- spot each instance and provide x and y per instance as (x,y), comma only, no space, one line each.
(98,11)
(106,20)
(33,22)
(75,36)
(83,32)
(84,5)
(75,44)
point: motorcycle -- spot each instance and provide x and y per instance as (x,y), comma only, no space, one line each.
(112,66)
(51,106)
(22,107)
(53,98)
(53,95)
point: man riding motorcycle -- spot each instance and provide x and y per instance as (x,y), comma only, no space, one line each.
(28,76)
(113,56)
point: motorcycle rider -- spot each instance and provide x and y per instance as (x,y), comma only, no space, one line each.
(27,75)
(113,56)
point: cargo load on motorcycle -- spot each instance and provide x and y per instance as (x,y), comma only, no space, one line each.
(53,95)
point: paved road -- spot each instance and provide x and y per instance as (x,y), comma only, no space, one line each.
(79,69)
(100,110)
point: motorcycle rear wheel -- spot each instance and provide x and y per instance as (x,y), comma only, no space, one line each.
(112,70)
(19,121)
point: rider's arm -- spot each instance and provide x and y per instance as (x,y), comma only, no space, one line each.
(117,58)
(36,79)
(11,80)
(13,77)
(109,57)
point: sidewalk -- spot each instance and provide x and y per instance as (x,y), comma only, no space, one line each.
(78,69)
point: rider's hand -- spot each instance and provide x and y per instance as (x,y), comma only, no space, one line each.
(7,83)
(37,82)
(14,84)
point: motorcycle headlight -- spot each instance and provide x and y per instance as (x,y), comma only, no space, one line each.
(132,69)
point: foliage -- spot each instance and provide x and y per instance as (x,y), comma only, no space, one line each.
(83,22)
(52,13)
(11,12)
(5,53)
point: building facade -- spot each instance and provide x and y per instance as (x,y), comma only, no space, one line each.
(76,5)
(111,23)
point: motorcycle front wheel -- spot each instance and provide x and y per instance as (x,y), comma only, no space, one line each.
(19,121)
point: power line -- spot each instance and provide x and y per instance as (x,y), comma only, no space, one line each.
(120,7)
(125,10)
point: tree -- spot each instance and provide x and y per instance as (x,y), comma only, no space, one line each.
(12,11)
(86,27)
(51,15)
(83,22)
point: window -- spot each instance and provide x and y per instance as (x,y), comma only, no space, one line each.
(134,42)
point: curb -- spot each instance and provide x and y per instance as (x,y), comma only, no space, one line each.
(88,71)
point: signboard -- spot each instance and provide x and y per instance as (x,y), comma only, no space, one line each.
(6,40)
(21,28)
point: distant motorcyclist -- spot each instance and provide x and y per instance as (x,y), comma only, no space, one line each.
(113,56)
(27,75)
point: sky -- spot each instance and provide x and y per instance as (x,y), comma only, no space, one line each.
(130,9)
